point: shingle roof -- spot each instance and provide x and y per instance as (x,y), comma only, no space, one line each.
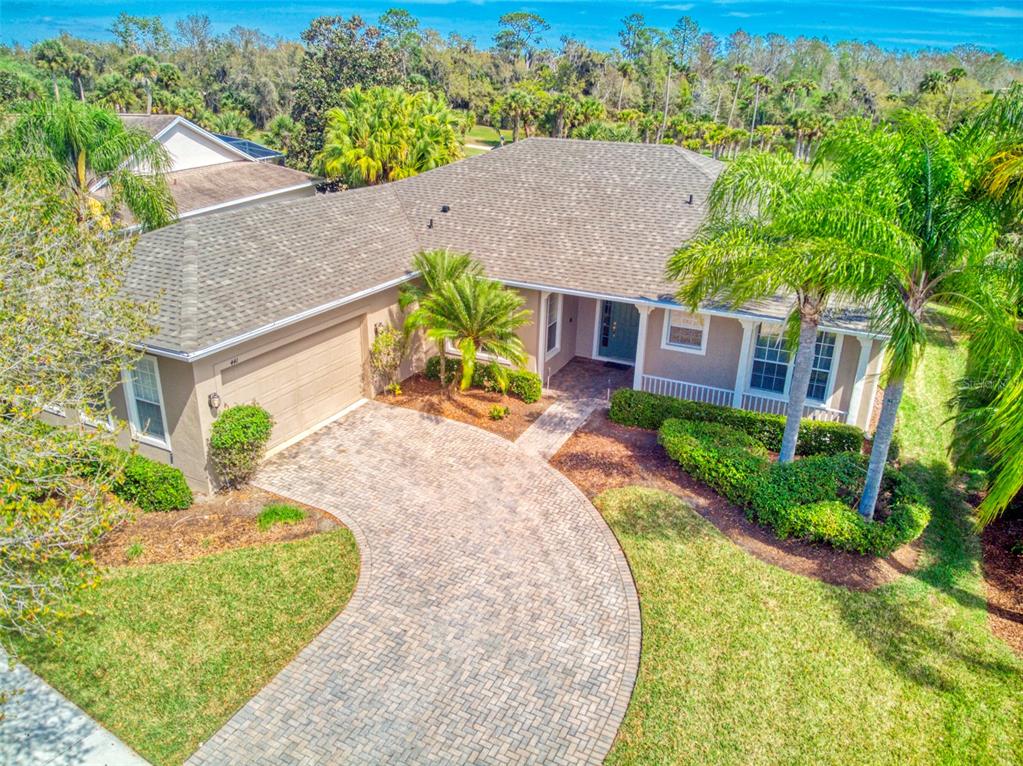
(197,188)
(150,123)
(584,216)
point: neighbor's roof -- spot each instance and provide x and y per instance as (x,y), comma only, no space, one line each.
(583,216)
(150,123)
(198,188)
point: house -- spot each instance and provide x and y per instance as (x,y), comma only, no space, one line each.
(211,172)
(278,303)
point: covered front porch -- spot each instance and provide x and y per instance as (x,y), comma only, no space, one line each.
(713,357)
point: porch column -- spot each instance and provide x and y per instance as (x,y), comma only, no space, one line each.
(541,338)
(644,316)
(744,352)
(860,381)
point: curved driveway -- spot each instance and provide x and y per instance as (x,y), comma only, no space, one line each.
(495,620)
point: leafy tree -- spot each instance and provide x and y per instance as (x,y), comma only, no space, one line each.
(140,34)
(143,70)
(53,57)
(435,268)
(384,134)
(339,54)
(519,34)
(401,29)
(940,255)
(776,226)
(66,333)
(86,155)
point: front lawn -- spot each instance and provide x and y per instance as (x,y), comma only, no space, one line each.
(484,135)
(745,663)
(171,651)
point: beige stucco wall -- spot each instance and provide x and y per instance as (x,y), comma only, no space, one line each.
(585,323)
(528,332)
(716,367)
(569,323)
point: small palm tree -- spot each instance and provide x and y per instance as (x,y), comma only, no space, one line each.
(761,85)
(475,315)
(79,66)
(144,70)
(776,225)
(518,104)
(81,149)
(53,57)
(115,90)
(435,268)
(952,77)
(740,71)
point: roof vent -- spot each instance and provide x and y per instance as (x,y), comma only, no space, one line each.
(430,224)
(690,199)
(445,208)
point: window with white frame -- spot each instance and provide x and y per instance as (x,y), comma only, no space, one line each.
(145,400)
(820,372)
(553,341)
(684,331)
(770,368)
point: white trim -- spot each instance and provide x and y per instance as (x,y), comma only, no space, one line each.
(644,321)
(836,362)
(875,380)
(245,200)
(133,415)
(598,315)
(179,120)
(557,325)
(666,332)
(312,429)
(741,375)
(859,381)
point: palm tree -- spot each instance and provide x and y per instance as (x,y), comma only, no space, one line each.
(475,315)
(952,77)
(435,268)
(626,70)
(53,57)
(801,122)
(1002,124)
(775,225)
(563,106)
(144,70)
(932,82)
(86,152)
(939,255)
(761,84)
(740,71)
(115,90)
(517,103)
(78,67)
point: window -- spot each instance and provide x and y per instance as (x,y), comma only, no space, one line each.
(685,332)
(553,343)
(823,356)
(145,401)
(770,362)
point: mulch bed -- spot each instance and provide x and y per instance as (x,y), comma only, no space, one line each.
(472,406)
(217,523)
(603,455)
(1003,573)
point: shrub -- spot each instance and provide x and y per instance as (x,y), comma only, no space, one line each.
(152,486)
(237,442)
(385,355)
(525,385)
(645,410)
(452,369)
(497,412)
(807,498)
(278,513)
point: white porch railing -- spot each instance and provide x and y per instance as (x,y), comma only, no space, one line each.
(681,389)
(696,392)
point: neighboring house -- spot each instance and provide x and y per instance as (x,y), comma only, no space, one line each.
(278,303)
(211,172)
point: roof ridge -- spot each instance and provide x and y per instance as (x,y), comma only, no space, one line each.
(686,154)
(189,304)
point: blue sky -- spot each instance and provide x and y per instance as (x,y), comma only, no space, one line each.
(909,24)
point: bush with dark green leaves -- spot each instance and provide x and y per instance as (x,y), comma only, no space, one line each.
(522,384)
(810,499)
(238,440)
(149,484)
(645,410)
(525,385)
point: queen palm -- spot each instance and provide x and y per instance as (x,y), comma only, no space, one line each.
(435,268)
(476,315)
(940,256)
(777,226)
(88,154)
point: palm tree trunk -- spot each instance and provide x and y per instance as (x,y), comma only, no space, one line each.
(515,128)
(81,90)
(149,100)
(951,99)
(56,90)
(717,109)
(667,96)
(879,449)
(756,105)
(621,94)
(735,100)
(801,367)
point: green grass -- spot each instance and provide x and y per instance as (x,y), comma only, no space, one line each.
(278,513)
(484,135)
(745,663)
(171,651)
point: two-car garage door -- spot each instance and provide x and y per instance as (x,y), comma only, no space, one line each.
(301,383)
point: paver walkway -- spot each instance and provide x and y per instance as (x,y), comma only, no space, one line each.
(558,422)
(495,619)
(42,728)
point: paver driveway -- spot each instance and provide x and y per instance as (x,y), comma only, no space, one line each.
(495,620)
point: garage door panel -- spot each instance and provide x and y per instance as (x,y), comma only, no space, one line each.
(303,382)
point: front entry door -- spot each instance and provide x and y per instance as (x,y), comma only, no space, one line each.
(619,327)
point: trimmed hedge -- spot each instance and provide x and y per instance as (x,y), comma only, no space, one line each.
(149,484)
(807,498)
(522,384)
(645,410)
(238,438)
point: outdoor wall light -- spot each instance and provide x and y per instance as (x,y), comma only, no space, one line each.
(214,401)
